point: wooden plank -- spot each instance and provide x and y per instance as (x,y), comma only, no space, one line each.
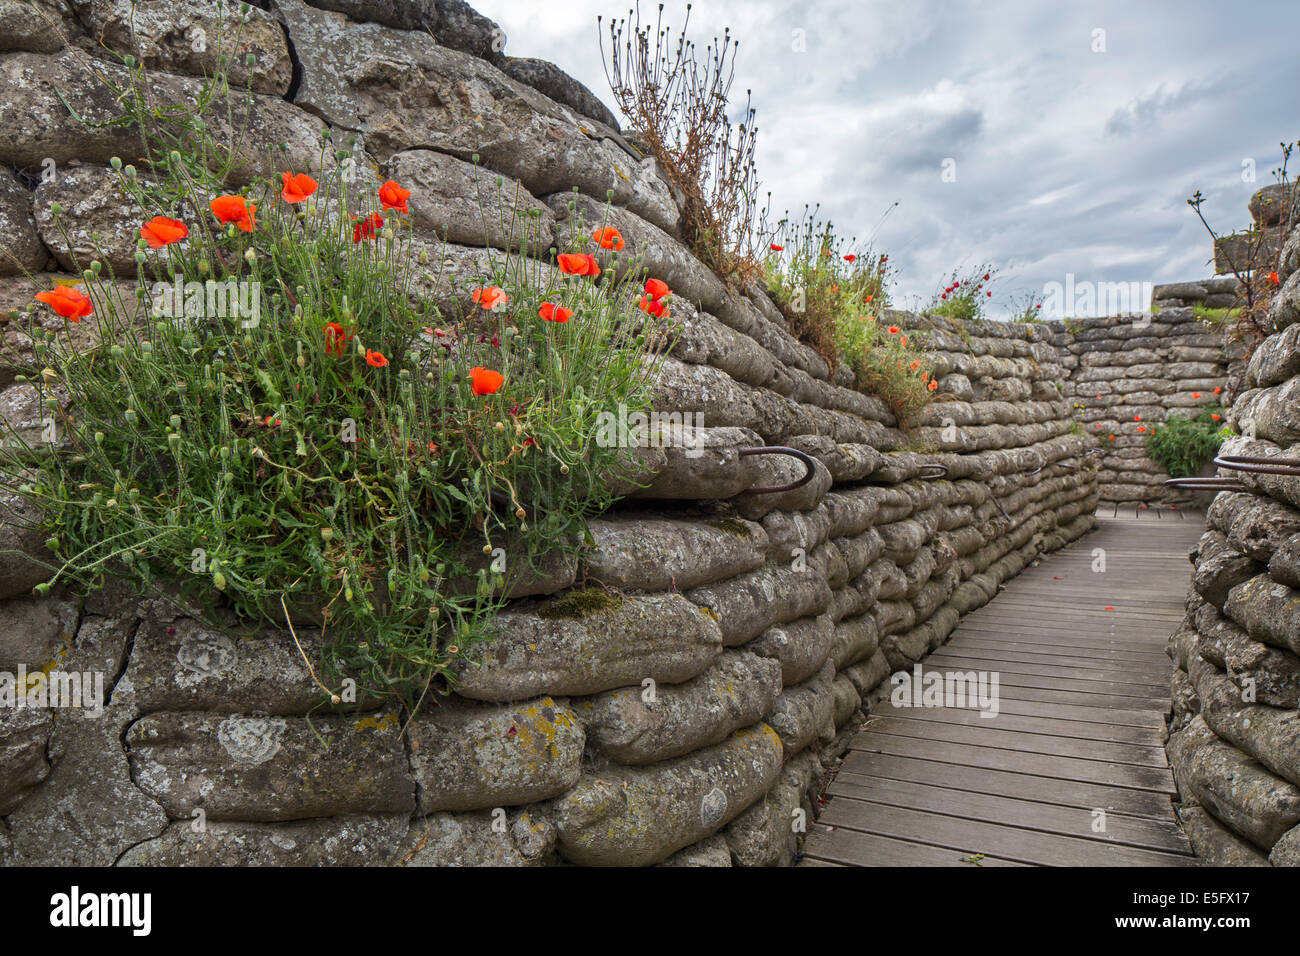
(864,849)
(1122,680)
(975,836)
(992,758)
(1022,786)
(1046,651)
(986,734)
(1083,730)
(1067,821)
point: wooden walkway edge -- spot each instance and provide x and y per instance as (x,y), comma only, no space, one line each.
(1071,769)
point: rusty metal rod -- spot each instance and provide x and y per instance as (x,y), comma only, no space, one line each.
(809,464)
(1260,465)
(1206,484)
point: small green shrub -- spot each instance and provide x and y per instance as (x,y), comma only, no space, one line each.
(963,299)
(1182,446)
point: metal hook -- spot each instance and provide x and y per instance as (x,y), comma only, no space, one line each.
(943,471)
(809,463)
(1260,465)
(1206,484)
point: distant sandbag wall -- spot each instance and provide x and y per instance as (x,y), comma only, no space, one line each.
(673,697)
(1235,747)
(1127,374)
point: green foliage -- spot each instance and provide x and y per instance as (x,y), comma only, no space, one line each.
(963,298)
(1182,446)
(820,284)
(331,459)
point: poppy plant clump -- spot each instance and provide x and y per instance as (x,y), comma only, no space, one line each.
(343,434)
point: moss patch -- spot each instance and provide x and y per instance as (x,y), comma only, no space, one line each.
(580,604)
(733,526)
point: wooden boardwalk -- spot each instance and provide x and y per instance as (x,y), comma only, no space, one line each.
(1071,771)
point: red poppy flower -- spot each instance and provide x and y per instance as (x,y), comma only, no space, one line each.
(375,359)
(1217,390)
(490,297)
(989,294)
(234,209)
(161,231)
(893,330)
(1142,428)
(367,228)
(484,381)
(608,238)
(868,298)
(1137,418)
(656,288)
(776,248)
(296,188)
(336,339)
(1216,416)
(72,304)
(850,258)
(1196,394)
(554,313)
(986,277)
(578,264)
(394,196)
(1272,277)
(651,307)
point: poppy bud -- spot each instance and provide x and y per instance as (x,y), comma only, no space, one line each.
(130,416)
(326,534)
(129,61)
(116,162)
(219,580)
(56,208)
(130,172)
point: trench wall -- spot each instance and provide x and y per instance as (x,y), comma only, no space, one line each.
(1235,746)
(673,697)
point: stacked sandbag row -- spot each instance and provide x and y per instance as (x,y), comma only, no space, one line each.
(1235,742)
(1127,374)
(672,697)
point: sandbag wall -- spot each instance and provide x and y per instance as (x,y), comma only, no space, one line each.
(673,697)
(1235,745)
(1126,374)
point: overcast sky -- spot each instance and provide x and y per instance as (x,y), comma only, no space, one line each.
(1066,160)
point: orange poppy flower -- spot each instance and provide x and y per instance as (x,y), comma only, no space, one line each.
(296,188)
(554,313)
(234,209)
(375,359)
(367,228)
(903,340)
(394,196)
(73,304)
(161,231)
(484,381)
(651,307)
(925,376)
(1217,390)
(1272,277)
(1196,394)
(1216,416)
(868,298)
(916,363)
(608,238)
(490,297)
(656,288)
(578,264)
(1142,428)
(933,385)
(336,339)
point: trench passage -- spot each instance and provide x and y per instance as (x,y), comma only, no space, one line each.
(1082,698)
